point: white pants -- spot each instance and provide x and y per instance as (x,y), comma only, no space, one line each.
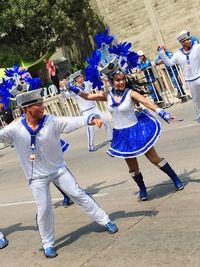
(90,130)
(1,235)
(45,218)
(194,87)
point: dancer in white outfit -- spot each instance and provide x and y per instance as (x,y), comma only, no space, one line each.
(188,57)
(36,138)
(87,107)
(134,133)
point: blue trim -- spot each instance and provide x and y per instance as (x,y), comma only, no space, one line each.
(90,118)
(32,132)
(114,103)
(64,145)
(193,79)
(142,150)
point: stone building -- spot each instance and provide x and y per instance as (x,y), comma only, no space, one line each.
(147,23)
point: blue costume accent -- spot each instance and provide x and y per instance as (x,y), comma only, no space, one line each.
(109,57)
(194,40)
(139,133)
(145,66)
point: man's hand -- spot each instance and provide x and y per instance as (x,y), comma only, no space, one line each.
(97,122)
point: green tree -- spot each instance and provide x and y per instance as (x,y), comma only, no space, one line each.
(31,27)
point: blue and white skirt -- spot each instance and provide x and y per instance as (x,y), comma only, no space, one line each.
(135,140)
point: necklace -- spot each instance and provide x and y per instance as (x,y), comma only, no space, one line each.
(117,92)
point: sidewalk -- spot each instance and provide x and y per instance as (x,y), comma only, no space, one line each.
(164,231)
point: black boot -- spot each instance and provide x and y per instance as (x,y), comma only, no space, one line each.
(165,167)
(138,178)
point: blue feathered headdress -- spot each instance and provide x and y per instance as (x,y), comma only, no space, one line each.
(16,81)
(106,59)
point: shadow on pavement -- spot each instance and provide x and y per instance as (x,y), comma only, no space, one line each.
(17,228)
(94,227)
(166,188)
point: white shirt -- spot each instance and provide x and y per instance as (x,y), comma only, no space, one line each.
(191,69)
(83,104)
(49,155)
(123,114)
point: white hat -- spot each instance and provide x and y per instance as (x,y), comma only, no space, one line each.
(140,53)
(74,75)
(183,36)
(111,67)
(29,98)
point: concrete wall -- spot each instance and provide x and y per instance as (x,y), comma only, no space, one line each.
(147,23)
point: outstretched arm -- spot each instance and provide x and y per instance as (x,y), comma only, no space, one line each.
(168,61)
(101,96)
(164,115)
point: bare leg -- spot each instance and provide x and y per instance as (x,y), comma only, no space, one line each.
(152,156)
(132,164)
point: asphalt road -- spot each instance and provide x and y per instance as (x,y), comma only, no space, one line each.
(163,231)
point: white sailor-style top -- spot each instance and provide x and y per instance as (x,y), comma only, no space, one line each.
(134,132)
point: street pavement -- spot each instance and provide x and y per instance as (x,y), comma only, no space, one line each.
(163,231)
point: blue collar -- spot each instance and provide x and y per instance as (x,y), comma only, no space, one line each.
(32,132)
(82,88)
(186,54)
(114,103)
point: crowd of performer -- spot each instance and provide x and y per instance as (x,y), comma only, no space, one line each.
(35,134)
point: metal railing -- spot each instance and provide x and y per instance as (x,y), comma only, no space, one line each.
(162,85)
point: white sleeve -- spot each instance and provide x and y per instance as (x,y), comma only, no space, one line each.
(6,134)
(66,95)
(168,61)
(70,124)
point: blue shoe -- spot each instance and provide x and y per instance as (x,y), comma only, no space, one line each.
(67,202)
(178,184)
(143,195)
(3,243)
(198,119)
(50,252)
(111,227)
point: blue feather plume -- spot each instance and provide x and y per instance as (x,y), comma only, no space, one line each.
(4,92)
(35,83)
(121,49)
(101,38)
(15,71)
(132,60)
(91,71)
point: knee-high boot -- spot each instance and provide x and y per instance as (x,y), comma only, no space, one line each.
(138,178)
(165,167)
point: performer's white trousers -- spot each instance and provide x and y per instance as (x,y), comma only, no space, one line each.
(90,130)
(194,87)
(45,218)
(1,235)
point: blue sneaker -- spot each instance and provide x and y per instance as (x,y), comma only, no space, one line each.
(111,227)
(198,119)
(143,195)
(178,184)
(50,252)
(3,243)
(67,202)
